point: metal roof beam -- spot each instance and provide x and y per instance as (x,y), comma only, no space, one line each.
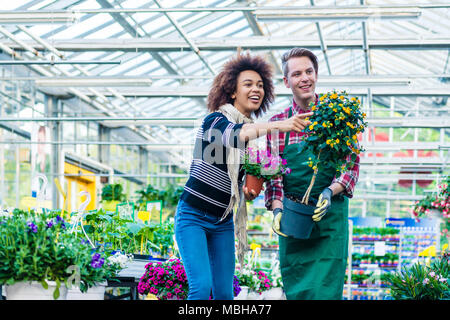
(185,36)
(195,91)
(323,46)
(227,43)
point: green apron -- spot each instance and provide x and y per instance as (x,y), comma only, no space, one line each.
(314,269)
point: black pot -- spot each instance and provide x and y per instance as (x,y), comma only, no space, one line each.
(296,220)
(141,256)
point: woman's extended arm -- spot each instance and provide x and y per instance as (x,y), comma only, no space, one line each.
(297,123)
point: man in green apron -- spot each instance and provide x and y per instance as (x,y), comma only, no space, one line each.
(312,268)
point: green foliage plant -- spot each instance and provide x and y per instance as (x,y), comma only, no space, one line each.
(37,247)
(113,192)
(421,282)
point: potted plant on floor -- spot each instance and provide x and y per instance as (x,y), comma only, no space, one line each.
(421,282)
(330,139)
(37,255)
(262,166)
(112,194)
(165,280)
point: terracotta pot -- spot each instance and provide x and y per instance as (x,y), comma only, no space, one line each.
(252,182)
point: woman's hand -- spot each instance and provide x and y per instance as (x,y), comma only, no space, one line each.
(295,123)
(249,194)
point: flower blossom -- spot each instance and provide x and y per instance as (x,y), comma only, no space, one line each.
(32,226)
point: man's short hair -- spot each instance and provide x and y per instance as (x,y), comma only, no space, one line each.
(298,52)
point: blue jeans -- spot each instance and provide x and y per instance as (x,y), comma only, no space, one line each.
(207,250)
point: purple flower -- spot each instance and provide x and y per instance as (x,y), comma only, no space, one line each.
(50,224)
(96,256)
(32,226)
(97,261)
(236,286)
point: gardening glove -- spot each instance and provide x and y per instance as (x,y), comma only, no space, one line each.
(276,223)
(323,204)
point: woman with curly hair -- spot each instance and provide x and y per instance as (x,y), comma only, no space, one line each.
(204,224)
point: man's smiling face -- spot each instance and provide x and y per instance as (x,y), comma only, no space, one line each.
(301,79)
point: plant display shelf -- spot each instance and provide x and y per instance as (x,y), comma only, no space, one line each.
(368,293)
(374,254)
(417,241)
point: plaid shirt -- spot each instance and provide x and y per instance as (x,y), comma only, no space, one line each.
(274,187)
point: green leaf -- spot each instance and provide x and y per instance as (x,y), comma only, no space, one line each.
(56,293)
(44,284)
(134,228)
(88,228)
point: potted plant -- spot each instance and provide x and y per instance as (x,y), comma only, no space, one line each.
(166,280)
(264,283)
(253,281)
(163,237)
(112,194)
(247,280)
(275,292)
(421,282)
(330,138)
(437,206)
(95,269)
(262,166)
(37,255)
(139,239)
(148,194)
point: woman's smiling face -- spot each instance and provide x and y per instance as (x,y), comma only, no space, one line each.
(249,92)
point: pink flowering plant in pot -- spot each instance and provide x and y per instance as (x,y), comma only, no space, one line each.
(263,164)
(166,280)
(264,283)
(436,204)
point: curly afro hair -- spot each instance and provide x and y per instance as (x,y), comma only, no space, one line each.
(224,84)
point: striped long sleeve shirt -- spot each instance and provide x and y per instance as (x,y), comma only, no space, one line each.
(209,186)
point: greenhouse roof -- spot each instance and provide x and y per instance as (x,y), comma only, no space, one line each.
(154,61)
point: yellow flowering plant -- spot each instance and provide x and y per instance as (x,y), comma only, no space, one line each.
(335,124)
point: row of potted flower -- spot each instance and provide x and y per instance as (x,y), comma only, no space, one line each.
(43,254)
(167,281)
(375,234)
